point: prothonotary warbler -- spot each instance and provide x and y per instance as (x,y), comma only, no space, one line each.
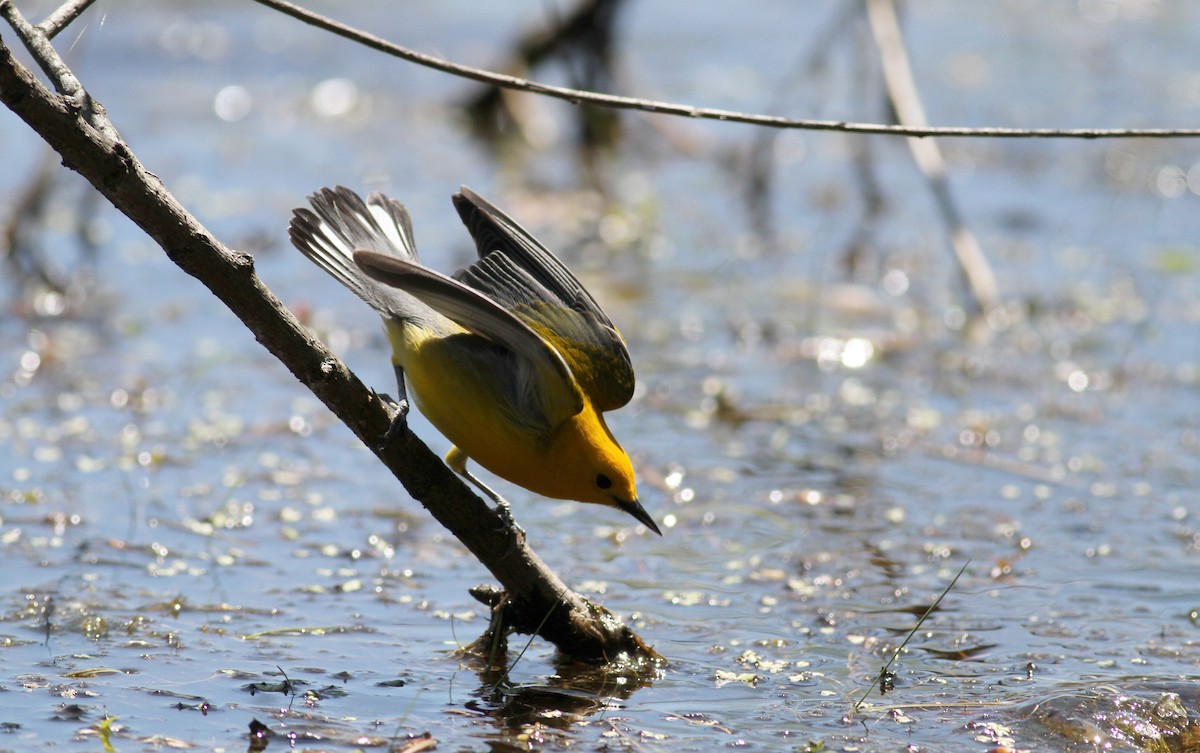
(511,358)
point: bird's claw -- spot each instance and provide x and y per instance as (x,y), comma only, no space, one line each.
(399,425)
(516,534)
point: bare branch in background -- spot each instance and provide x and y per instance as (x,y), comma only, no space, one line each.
(759,164)
(61,18)
(17,244)
(902,92)
(581,97)
(582,41)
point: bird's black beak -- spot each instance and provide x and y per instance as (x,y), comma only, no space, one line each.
(634,508)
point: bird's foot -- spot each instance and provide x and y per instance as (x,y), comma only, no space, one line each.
(399,425)
(516,534)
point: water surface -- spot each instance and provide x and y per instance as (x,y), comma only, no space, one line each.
(184,527)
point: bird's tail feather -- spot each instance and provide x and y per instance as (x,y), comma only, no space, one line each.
(340,223)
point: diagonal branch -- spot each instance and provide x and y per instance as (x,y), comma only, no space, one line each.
(902,93)
(66,13)
(581,97)
(79,130)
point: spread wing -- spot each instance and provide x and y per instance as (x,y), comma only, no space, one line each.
(523,277)
(339,223)
(550,385)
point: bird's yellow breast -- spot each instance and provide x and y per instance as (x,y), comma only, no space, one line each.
(454,383)
(465,386)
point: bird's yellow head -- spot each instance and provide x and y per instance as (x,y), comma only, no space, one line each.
(588,465)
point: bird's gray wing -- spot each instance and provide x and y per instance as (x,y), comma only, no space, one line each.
(549,382)
(521,275)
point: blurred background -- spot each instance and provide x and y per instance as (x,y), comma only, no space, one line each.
(826,426)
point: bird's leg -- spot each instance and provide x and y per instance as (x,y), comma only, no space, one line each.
(399,423)
(457,460)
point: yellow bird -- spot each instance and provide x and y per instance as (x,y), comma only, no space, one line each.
(511,358)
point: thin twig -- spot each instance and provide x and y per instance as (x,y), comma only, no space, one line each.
(517,660)
(887,667)
(581,97)
(36,41)
(59,19)
(906,101)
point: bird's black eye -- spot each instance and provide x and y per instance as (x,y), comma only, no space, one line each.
(604,482)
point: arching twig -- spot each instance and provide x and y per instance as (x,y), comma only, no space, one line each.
(580,97)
